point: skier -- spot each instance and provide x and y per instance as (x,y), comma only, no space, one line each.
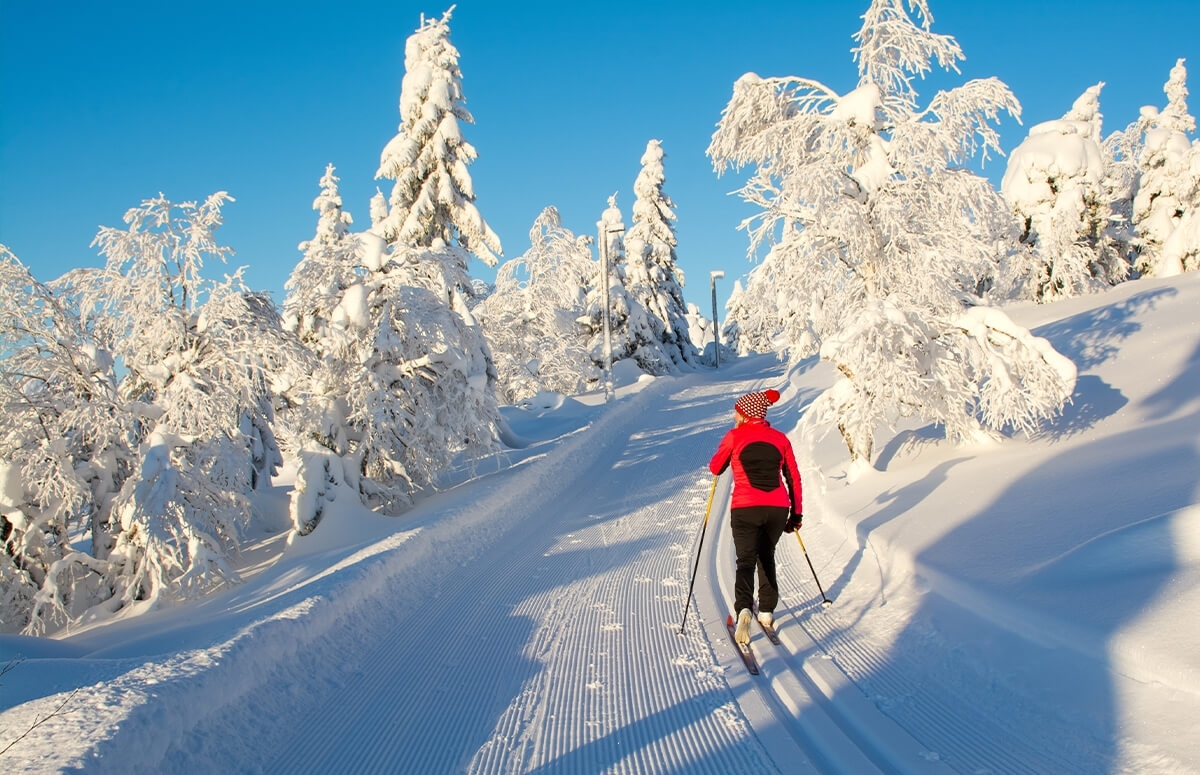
(766,503)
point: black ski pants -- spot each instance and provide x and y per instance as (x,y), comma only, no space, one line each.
(756,530)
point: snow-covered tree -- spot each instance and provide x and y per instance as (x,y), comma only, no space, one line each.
(751,324)
(65,451)
(412,389)
(653,277)
(1057,184)
(1122,149)
(433,198)
(378,210)
(634,333)
(412,385)
(329,266)
(879,241)
(700,331)
(203,360)
(153,468)
(1168,194)
(531,317)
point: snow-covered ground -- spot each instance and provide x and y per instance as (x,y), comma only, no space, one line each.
(1021,606)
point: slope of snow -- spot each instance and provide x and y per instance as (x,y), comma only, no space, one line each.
(1017,606)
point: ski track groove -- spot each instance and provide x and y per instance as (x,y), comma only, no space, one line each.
(959,734)
(595,679)
(583,668)
(954,734)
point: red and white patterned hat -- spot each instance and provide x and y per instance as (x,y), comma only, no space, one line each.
(755,404)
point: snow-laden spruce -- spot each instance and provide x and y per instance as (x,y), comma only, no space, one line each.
(652,274)
(433,197)
(879,243)
(750,324)
(1168,194)
(142,398)
(634,332)
(313,307)
(1057,182)
(410,390)
(406,383)
(531,317)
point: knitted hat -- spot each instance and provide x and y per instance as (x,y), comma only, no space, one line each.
(755,404)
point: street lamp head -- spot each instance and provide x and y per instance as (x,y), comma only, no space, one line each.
(717,274)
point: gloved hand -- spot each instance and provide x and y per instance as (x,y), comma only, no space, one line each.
(793,523)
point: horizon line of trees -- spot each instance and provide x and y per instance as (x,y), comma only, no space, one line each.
(147,403)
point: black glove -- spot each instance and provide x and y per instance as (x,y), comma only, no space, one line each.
(793,523)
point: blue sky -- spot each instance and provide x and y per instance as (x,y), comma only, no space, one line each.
(103,105)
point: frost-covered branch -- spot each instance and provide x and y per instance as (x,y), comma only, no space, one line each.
(877,241)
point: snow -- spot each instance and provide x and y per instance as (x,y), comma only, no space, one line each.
(1055,152)
(1025,605)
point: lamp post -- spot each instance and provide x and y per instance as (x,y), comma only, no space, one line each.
(610,227)
(713,277)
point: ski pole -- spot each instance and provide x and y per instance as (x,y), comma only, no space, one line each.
(692,583)
(825,601)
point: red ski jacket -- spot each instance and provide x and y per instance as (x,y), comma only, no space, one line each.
(764,466)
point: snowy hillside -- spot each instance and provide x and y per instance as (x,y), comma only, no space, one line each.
(1018,606)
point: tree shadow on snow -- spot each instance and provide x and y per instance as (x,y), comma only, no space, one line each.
(1093,337)
(1042,593)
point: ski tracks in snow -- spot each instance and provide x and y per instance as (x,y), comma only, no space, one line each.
(557,648)
(530,622)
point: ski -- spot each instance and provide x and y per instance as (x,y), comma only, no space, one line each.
(745,651)
(769,631)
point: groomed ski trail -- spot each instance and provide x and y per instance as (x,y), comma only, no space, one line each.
(555,647)
(529,622)
(533,626)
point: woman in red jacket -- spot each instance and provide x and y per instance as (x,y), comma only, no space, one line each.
(766,502)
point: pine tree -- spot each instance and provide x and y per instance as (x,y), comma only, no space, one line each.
(634,333)
(1057,184)
(330,265)
(654,277)
(412,387)
(1168,193)
(880,242)
(433,197)
(751,324)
